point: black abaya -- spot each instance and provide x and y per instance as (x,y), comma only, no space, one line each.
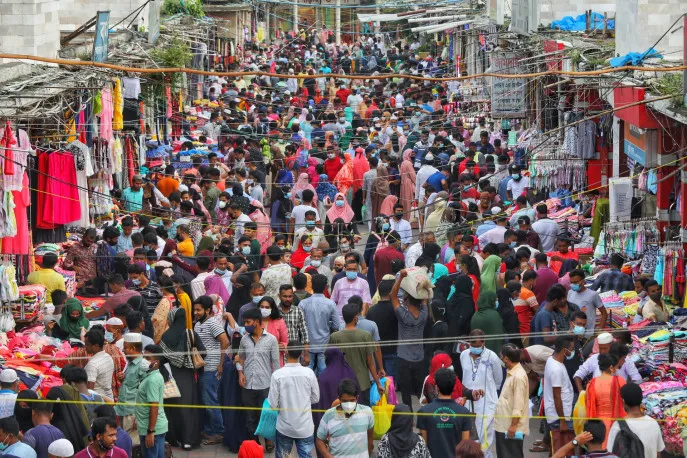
(184,422)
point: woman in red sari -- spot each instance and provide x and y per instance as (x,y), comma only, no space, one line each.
(603,393)
(303,251)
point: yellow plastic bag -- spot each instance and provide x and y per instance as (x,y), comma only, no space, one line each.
(382,413)
(580,413)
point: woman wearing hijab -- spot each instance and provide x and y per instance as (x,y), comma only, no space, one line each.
(69,417)
(388,205)
(360,167)
(460,307)
(214,286)
(489,321)
(430,391)
(506,308)
(301,185)
(281,205)
(73,319)
(401,441)
(184,422)
(240,295)
(490,273)
(325,189)
(206,243)
(339,210)
(337,370)
(302,252)
(22,409)
(408,177)
(380,190)
(345,140)
(344,179)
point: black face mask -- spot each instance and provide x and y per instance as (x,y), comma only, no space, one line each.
(398,215)
(112,242)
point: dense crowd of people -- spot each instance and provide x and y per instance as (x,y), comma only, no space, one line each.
(343,233)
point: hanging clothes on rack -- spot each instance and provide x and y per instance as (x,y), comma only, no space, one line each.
(631,238)
(84,169)
(549,169)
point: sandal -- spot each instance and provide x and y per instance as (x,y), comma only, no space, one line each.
(269,447)
(213,440)
(539,449)
(538,442)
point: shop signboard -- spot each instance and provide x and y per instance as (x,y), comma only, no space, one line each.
(508,95)
(640,145)
(102,31)
(620,199)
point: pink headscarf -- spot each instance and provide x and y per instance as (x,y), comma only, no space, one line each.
(345,212)
(301,185)
(360,167)
(388,205)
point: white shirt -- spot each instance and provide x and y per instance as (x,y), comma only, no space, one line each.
(548,230)
(404,230)
(647,429)
(425,172)
(7,400)
(556,376)
(293,388)
(198,284)
(298,214)
(492,236)
(316,235)
(239,223)
(628,370)
(99,369)
(353,101)
(517,187)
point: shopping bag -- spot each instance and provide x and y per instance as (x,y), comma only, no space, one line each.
(580,413)
(267,426)
(382,414)
(375,396)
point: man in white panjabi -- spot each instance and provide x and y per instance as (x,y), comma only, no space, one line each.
(482,370)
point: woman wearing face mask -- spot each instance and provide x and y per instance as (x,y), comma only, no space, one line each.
(281,209)
(506,308)
(380,189)
(430,391)
(342,211)
(488,319)
(482,371)
(326,193)
(222,217)
(184,422)
(73,319)
(376,240)
(603,393)
(273,323)
(303,251)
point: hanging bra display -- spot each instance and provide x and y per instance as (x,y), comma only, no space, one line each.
(631,238)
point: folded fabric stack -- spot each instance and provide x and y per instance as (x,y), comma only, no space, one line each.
(30,303)
(666,401)
(69,280)
(655,348)
(91,303)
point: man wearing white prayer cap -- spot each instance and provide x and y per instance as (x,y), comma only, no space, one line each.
(628,371)
(61,448)
(133,376)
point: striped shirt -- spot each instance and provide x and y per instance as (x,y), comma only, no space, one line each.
(209,331)
(347,436)
(295,324)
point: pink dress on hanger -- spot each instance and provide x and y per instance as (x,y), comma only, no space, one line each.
(106,113)
(63,191)
(20,243)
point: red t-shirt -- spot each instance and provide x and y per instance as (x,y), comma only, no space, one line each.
(332,167)
(382,260)
(556,265)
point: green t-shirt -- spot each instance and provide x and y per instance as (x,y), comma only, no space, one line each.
(356,355)
(151,391)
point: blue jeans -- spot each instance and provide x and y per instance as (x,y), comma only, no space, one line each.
(390,366)
(158,449)
(317,358)
(209,384)
(284,445)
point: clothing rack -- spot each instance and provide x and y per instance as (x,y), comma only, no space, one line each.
(633,238)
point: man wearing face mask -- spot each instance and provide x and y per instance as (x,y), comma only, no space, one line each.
(587,299)
(133,376)
(351,283)
(482,371)
(577,328)
(384,256)
(512,412)
(348,427)
(294,319)
(519,184)
(590,368)
(320,316)
(120,296)
(104,432)
(258,358)
(150,416)
(257,292)
(316,260)
(315,233)
(401,226)
(558,391)
(105,256)
(332,165)
(654,309)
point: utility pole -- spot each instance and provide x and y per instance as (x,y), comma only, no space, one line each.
(338,21)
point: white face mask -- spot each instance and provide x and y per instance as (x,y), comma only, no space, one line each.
(145,364)
(331,156)
(348,407)
(222,204)
(265,312)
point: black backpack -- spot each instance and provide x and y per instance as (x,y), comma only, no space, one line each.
(627,444)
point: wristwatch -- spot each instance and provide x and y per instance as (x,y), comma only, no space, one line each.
(575,443)
(151,431)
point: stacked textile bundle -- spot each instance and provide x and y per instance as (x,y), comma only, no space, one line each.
(69,280)
(666,401)
(30,303)
(655,348)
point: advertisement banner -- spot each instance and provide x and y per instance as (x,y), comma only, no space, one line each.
(100,44)
(508,95)
(620,197)
(154,20)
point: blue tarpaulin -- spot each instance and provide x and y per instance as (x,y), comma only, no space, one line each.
(635,58)
(579,24)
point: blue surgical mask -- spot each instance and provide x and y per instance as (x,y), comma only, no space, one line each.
(310,224)
(512,244)
(288,195)
(351,275)
(339,203)
(575,287)
(515,176)
(578,330)
(476,350)
(497,305)
(386,226)
(245,250)
(136,282)
(570,356)
(250,329)
(109,336)
(257,299)
(220,272)
(316,262)
(307,248)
